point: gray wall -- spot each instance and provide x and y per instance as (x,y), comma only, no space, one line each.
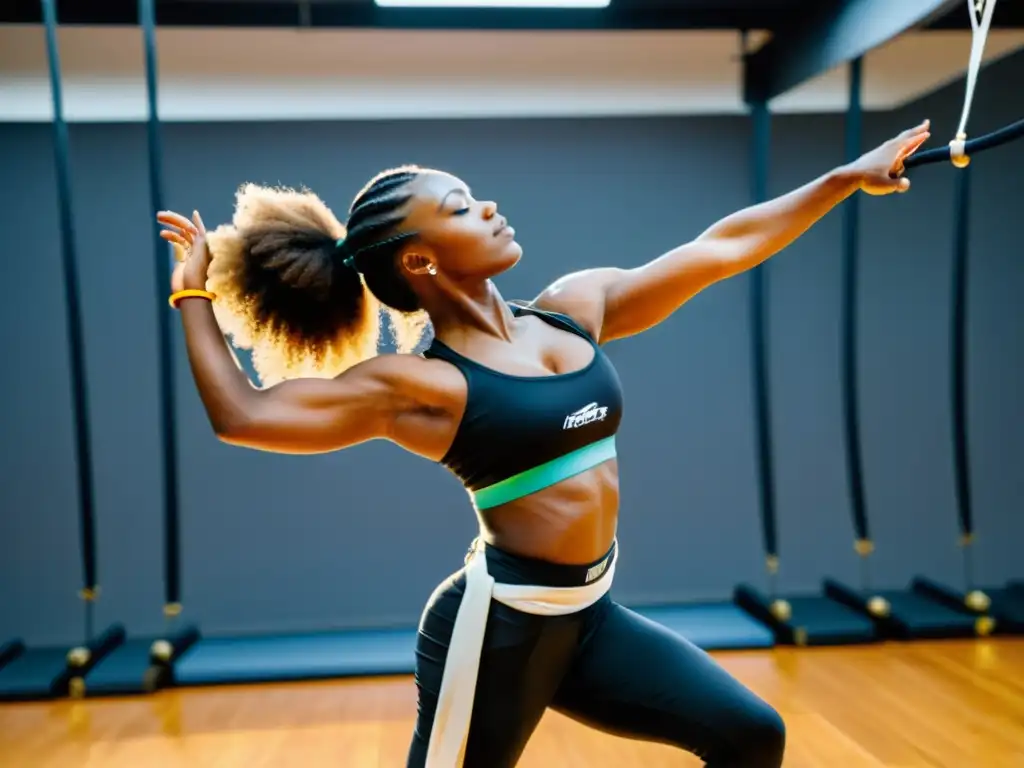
(272,543)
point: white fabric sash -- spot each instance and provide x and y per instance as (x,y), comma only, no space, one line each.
(450,731)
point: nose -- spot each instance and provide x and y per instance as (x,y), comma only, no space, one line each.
(490,209)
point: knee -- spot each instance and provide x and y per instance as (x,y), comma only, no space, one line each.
(746,734)
(760,738)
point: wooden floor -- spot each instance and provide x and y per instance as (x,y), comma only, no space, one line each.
(949,704)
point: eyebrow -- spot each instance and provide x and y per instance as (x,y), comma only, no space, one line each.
(459,190)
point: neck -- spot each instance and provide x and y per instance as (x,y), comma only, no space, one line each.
(459,312)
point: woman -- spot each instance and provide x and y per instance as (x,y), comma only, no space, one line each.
(519,401)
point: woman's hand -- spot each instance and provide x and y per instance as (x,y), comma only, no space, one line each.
(189,239)
(880,171)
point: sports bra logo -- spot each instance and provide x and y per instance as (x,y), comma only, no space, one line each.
(585,415)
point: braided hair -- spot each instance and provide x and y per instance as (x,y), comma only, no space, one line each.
(303,291)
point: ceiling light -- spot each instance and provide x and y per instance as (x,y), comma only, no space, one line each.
(492,3)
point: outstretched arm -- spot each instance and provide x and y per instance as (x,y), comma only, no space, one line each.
(614,303)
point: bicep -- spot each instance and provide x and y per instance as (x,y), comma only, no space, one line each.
(613,303)
(321,415)
(646,295)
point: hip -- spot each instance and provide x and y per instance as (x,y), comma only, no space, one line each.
(527,593)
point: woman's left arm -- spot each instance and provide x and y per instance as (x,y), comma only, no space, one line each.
(614,303)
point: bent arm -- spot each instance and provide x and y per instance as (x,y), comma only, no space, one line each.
(615,303)
(297,416)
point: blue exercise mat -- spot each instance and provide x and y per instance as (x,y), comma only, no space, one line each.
(10,651)
(712,626)
(215,660)
(924,618)
(31,674)
(1008,608)
(123,671)
(223,660)
(827,622)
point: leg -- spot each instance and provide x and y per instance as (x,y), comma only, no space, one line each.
(523,661)
(634,678)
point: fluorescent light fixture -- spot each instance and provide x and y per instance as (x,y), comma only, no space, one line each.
(493,3)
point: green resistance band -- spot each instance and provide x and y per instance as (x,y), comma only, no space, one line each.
(554,471)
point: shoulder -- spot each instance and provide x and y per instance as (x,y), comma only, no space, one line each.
(425,380)
(580,296)
(406,371)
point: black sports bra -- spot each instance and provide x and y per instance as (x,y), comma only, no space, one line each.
(516,423)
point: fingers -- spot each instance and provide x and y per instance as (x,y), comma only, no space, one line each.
(182,230)
(917,129)
(180,252)
(179,245)
(175,220)
(185,237)
(181,233)
(912,145)
(175,238)
(907,148)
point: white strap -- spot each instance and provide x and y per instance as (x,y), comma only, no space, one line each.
(981,20)
(450,730)
(454,710)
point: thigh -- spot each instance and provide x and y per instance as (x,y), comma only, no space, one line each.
(522,663)
(636,679)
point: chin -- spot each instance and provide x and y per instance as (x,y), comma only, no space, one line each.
(506,259)
(514,252)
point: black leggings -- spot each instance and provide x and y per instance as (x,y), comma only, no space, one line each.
(605,666)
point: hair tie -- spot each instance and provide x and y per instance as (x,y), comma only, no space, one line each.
(350,260)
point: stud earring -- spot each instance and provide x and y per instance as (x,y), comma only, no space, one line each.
(431,269)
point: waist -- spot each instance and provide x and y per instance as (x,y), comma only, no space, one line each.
(545,475)
(508,568)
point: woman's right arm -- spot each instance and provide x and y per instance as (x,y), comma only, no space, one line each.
(368,401)
(301,415)
(311,415)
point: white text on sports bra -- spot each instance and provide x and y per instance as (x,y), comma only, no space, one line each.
(585,415)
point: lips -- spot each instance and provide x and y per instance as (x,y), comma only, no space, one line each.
(501,228)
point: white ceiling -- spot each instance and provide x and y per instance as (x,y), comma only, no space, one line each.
(275,74)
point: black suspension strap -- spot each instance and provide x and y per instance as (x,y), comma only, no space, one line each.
(972,147)
(959,152)
(172,577)
(851,225)
(761,123)
(73,317)
(958,370)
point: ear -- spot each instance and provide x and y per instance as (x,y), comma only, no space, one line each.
(418,260)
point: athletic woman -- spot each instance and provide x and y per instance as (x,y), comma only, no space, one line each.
(519,401)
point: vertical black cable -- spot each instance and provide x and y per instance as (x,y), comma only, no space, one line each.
(172,586)
(958,357)
(76,343)
(761,123)
(851,223)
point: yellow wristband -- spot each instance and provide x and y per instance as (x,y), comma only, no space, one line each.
(189,293)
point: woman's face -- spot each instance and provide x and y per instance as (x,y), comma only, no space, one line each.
(463,237)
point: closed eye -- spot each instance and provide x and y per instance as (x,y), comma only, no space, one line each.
(458,192)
